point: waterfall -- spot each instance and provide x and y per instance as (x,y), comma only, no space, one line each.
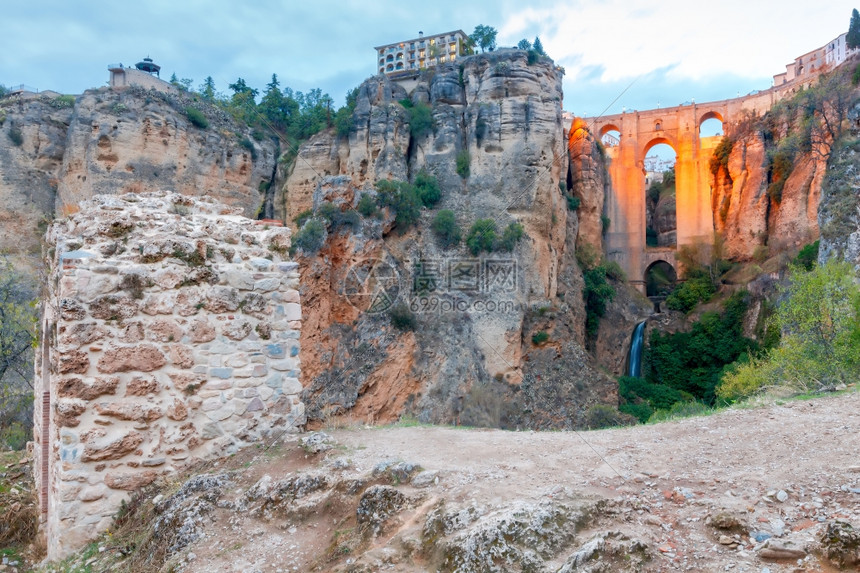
(634,361)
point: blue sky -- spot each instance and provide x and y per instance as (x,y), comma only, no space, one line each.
(675,51)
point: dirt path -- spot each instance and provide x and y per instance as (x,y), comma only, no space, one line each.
(784,472)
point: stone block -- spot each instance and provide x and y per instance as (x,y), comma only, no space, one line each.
(292,386)
(86,388)
(92,493)
(293,311)
(291,295)
(200,330)
(130,481)
(75,362)
(142,358)
(103,450)
(240,280)
(267,285)
(221,414)
(260,264)
(223,373)
(237,360)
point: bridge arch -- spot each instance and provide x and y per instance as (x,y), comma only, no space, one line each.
(658,141)
(660,278)
(610,135)
(711,123)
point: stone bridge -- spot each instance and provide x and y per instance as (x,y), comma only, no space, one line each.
(680,128)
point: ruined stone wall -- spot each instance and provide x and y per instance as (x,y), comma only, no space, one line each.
(170,335)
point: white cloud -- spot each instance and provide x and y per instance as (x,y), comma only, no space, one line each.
(628,38)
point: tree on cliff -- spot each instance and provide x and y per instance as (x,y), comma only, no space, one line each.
(485,37)
(207,89)
(853,37)
(524,45)
(537,46)
(17,335)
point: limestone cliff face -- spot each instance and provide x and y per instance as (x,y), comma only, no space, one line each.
(110,142)
(748,218)
(29,171)
(471,358)
(839,211)
(589,182)
(134,141)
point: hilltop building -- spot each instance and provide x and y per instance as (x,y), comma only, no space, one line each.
(811,64)
(421,52)
(145,74)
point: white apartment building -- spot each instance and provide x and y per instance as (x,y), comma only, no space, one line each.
(421,52)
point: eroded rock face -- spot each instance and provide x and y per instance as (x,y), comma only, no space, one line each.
(748,218)
(108,142)
(506,116)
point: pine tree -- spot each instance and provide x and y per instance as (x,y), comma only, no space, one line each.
(538,46)
(207,89)
(853,38)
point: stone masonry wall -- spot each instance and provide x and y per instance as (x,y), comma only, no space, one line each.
(170,335)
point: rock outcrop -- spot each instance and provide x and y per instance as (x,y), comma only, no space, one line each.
(471,348)
(56,151)
(748,218)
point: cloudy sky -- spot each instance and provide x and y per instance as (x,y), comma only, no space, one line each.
(670,50)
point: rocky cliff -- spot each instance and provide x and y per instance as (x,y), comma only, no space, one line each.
(55,152)
(471,357)
(748,217)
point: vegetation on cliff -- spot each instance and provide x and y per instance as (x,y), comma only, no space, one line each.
(820,345)
(17,337)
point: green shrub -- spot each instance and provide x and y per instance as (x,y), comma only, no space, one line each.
(680,410)
(482,236)
(401,317)
(367,206)
(573,202)
(602,416)
(641,412)
(311,237)
(302,217)
(698,287)
(855,77)
(64,101)
(510,237)
(604,223)
(403,199)
(694,361)
(820,324)
(14,436)
(16,136)
(463,162)
(405,102)
(427,187)
(807,257)
(446,229)
(532,57)
(634,390)
(196,117)
(597,292)
(540,337)
(248,145)
(420,120)
(721,155)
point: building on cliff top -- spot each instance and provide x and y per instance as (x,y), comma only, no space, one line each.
(813,63)
(421,52)
(145,74)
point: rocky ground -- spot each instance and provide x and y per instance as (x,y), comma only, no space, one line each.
(774,488)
